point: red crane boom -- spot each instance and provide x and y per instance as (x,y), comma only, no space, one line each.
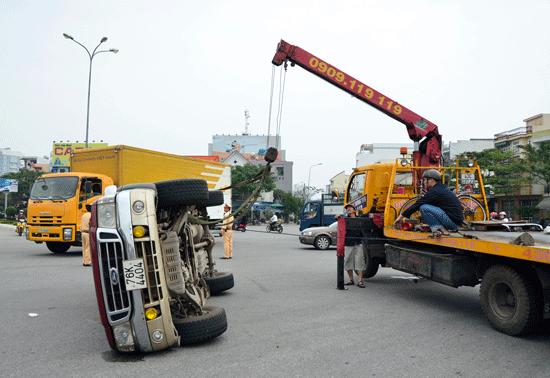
(419,129)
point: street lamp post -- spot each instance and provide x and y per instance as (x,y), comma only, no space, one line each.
(309,177)
(94,53)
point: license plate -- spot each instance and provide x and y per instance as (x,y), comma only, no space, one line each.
(468,178)
(44,230)
(134,274)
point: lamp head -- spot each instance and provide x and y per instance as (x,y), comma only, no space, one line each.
(104,39)
(67,36)
(114,50)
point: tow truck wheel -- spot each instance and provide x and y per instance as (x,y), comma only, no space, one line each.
(373,263)
(510,301)
(221,281)
(58,247)
(182,192)
(322,242)
(201,328)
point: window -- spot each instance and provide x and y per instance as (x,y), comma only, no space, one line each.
(508,207)
(355,188)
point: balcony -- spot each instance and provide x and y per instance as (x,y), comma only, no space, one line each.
(514,132)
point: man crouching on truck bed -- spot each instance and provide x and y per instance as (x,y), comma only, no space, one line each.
(440,207)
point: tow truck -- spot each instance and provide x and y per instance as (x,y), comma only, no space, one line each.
(510,261)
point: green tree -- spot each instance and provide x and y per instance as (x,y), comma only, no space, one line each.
(538,163)
(245,172)
(291,204)
(501,170)
(25,178)
(10,212)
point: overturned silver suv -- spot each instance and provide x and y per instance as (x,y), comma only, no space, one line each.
(153,267)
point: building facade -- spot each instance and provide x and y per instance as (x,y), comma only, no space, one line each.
(373,153)
(9,161)
(451,150)
(251,149)
(535,131)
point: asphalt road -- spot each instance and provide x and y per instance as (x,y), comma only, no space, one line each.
(286,319)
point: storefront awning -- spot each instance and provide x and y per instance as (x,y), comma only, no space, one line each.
(544,204)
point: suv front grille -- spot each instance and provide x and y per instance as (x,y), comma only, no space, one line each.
(117,298)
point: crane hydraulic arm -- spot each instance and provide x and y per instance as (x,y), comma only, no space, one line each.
(428,153)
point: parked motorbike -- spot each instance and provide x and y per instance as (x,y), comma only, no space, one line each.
(20,228)
(239,227)
(275,227)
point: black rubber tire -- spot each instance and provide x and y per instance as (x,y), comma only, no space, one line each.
(20,231)
(221,281)
(373,263)
(321,242)
(58,247)
(280,228)
(243,229)
(215,198)
(182,192)
(510,301)
(268,228)
(198,329)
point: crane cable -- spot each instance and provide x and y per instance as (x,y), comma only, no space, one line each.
(282,80)
(262,175)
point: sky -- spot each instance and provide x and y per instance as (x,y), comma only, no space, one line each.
(187,70)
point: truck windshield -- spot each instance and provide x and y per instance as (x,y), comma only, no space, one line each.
(310,210)
(53,188)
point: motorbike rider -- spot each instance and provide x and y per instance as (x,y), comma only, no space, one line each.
(273,221)
(502,216)
(20,217)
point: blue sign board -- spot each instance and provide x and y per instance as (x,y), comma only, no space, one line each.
(8,186)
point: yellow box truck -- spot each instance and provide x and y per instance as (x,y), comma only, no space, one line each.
(58,200)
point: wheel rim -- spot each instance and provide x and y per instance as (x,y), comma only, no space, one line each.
(322,243)
(503,300)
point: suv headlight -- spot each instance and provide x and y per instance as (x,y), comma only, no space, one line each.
(106,212)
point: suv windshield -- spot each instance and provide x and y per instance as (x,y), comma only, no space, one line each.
(54,188)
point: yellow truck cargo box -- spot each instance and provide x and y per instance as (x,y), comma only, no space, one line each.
(130,165)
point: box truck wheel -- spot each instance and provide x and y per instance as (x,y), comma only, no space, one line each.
(220,281)
(182,192)
(58,247)
(510,301)
(201,328)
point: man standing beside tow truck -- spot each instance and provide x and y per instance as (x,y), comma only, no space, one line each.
(439,207)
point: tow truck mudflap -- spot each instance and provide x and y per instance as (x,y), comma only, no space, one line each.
(448,269)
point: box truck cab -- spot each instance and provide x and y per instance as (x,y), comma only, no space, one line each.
(57,202)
